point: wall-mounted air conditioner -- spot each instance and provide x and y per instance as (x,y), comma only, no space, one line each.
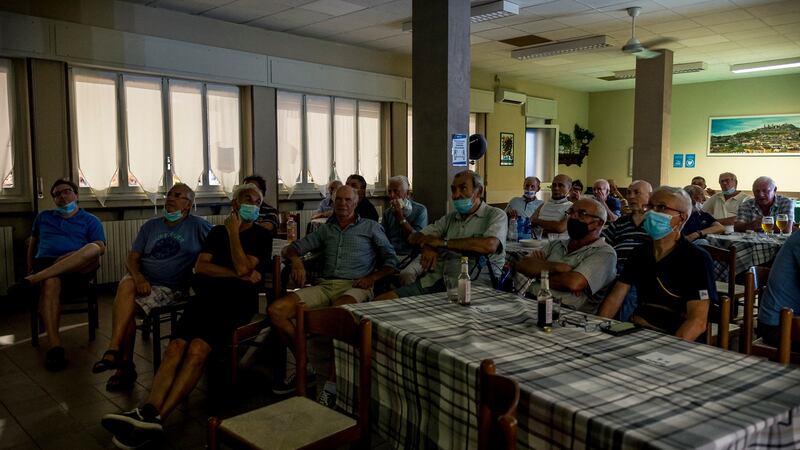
(502,95)
(543,108)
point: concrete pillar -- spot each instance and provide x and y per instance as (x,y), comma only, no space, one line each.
(441,75)
(651,118)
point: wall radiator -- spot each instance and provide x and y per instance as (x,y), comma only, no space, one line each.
(120,235)
(6,258)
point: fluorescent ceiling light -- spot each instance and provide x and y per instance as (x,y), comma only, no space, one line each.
(484,12)
(766,65)
(691,67)
(561,47)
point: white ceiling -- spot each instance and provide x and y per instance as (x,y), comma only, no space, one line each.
(718,32)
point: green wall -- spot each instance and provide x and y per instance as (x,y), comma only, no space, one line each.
(611,119)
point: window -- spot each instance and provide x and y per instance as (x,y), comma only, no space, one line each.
(322,138)
(120,124)
(473,119)
(6,127)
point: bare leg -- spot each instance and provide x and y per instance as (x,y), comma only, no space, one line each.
(281,314)
(49,308)
(187,377)
(123,315)
(167,372)
(83,260)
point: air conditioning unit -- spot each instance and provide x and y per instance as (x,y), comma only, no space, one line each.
(502,95)
(542,108)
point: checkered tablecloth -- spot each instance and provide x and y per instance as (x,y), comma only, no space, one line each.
(579,389)
(751,250)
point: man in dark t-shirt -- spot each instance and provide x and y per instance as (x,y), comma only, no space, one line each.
(228,275)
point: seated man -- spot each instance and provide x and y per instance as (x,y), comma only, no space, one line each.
(674,279)
(325,208)
(267,214)
(724,205)
(64,249)
(356,254)
(783,291)
(700,223)
(403,218)
(765,202)
(473,229)
(579,266)
(526,205)
(551,216)
(228,276)
(701,183)
(159,272)
(601,190)
(365,210)
(575,191)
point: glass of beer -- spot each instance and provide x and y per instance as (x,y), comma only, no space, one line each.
(767,224)
(782,221)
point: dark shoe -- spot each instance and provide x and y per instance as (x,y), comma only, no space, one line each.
(55,359)
(288,384)
(21,290)
(107,363)
(143,421)
(124,379)
(132,441)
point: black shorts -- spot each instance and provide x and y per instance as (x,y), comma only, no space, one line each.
(69,281)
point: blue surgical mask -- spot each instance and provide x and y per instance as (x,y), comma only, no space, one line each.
(729,191)
(463,205)
(529,194)
(657,224)
(248,213)
(68,208)
(173,216)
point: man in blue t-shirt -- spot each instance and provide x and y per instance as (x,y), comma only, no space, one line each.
(783,291)
(160,269)
(64,249)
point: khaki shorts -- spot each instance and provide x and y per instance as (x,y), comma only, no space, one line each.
(326,292)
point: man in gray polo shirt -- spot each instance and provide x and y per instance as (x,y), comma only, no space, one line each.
(579,266)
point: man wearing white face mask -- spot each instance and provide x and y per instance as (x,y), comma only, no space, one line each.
(403,218)
(159,272)
(526,205)
(724,205)
(674,279)
(64,250)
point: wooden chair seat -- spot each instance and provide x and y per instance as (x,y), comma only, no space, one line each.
(76,298)
(151,324)
(290,424)
(738,289)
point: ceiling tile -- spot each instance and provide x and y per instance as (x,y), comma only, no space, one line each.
(671,27)
(782,19)
(693,9)
(187,6)
(559,8)
(564,34)
(577,20)
(235,14)
(723,17)
(260,5)
(539,26)
(483,26)
(708,40)
(772,9)
(290,19)
(749,35)
(744,25)
(332,7)
(473,39)
(499,34)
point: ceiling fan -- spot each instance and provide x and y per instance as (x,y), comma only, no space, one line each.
(638,49)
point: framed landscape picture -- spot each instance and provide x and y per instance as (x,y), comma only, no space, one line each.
(770,135)
(506,149)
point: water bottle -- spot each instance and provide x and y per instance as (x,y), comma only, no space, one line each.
(464,288)
(528,233)
(521,229)
(512,230)
(291,229)
(544,304)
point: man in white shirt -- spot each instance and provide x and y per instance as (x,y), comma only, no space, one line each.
(552,216)
(725,204)
(526,205)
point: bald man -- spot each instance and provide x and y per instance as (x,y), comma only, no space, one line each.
(765,202)
(552,215)
(527,204)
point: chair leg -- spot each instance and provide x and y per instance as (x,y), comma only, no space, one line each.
(155,321)
(213,424)
(146,327)
(93,319)
(34,324)
(234,361)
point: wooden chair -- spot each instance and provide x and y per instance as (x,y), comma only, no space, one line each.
(754,286)
(300,422)
(497,409)
(76,298)
(730,288)
(720,315)
(151,324)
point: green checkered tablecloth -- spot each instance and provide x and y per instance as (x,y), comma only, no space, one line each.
(580,389)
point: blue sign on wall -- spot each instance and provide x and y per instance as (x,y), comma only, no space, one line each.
(677,160)
(690,161)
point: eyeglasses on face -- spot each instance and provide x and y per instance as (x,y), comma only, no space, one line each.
(581,214)
(661,208)
(66,191)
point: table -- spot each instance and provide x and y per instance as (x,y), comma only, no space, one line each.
(751,250)
(578,389)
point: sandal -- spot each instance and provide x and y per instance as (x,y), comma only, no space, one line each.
(124,379)
(105,363)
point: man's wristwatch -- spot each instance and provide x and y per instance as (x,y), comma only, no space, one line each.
(700,235)
(444,243)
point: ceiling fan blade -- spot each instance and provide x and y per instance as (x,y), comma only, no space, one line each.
(658,42)
(647,54)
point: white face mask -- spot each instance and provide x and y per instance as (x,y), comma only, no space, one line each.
(529,194)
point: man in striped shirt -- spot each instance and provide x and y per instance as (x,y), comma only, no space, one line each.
(765,202)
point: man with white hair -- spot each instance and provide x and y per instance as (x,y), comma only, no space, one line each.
(579,266)
(401,219)
(724,205)
(526,205)
(674,279)
(600,190)
(765,202)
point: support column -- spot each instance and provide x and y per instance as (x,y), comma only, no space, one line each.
(441,76)
(651,119)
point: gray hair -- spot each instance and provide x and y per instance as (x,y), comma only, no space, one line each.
(239,191)
(765,179)
(189,191)
(685,202)
(604,181)
(601,209)
(533,178)
(733,176)
(644,183)
(477,181)
(401,179)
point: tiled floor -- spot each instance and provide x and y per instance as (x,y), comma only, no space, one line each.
(39,409)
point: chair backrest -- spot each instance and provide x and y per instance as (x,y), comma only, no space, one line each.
(789,332)
(497,409)
(755,282)
(728,258)
(721,315)
(277,286)
(339,324)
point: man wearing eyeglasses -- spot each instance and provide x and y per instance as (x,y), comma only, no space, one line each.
(579,266)
(765,202)
(64,249)
(674,279)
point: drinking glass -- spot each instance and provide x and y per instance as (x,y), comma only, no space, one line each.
(782,222)
(452,269)
(767,224)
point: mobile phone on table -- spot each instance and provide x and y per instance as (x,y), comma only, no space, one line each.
(620,328)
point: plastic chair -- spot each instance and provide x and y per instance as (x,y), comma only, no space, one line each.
(497,409)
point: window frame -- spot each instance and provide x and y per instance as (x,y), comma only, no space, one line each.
(20,138)
(123,193)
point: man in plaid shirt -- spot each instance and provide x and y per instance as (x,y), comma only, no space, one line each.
(765,202)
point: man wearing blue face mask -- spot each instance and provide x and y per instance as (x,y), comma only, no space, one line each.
(526,205)
(64,249)
(674,279)
(473,229)
(724,205)
(159,272)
